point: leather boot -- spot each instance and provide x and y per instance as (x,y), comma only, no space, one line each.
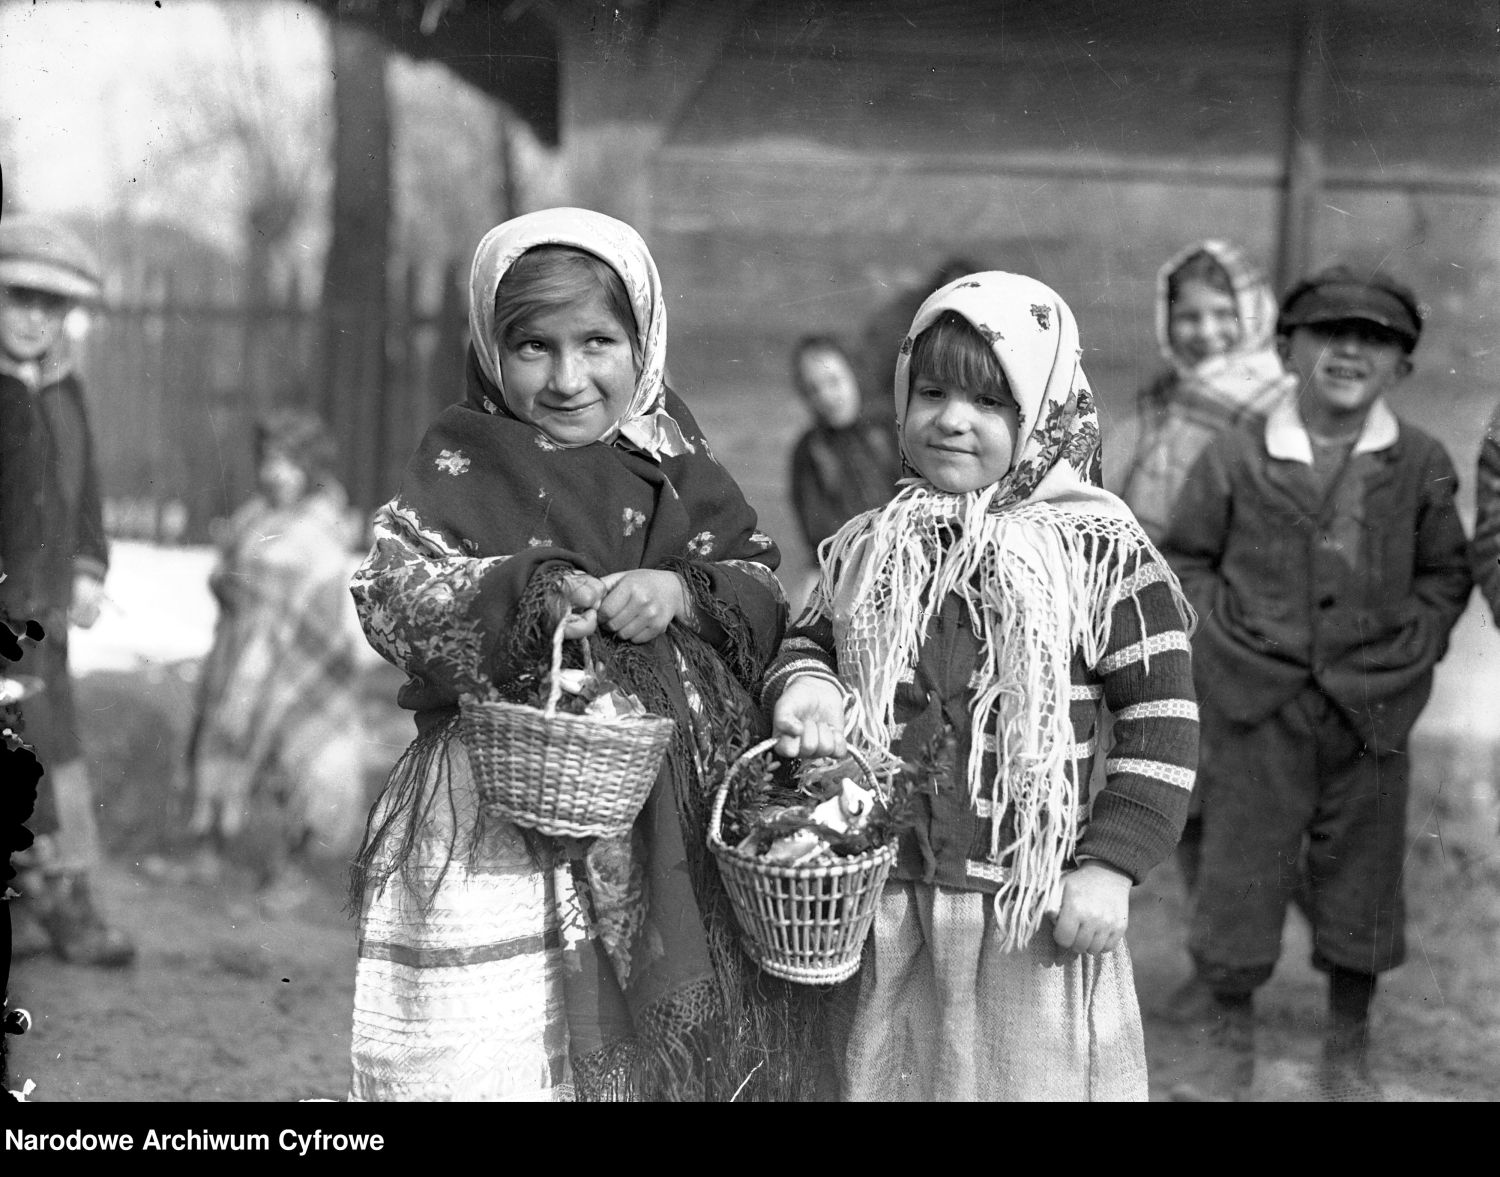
(1344,1076)
(1226,1071)
(65,907)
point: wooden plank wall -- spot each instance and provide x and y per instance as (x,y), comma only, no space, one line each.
(839,151)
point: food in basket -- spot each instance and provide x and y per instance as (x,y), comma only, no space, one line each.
(586,692)
(571,763)
(804,858)
(804,835)
(826,815)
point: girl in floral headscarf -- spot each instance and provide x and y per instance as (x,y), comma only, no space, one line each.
(988,609)
(1216,324)
(495,963)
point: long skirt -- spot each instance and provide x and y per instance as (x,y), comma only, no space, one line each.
(941,1013)
(459,985)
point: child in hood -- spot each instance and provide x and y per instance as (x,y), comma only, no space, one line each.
(1216,322)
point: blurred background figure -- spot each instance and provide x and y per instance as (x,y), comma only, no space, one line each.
(273,770)
(54,555)
(1486,547)
(886,328)
(1215,323)
(846,461)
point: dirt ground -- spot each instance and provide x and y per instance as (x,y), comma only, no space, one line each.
(236,997)
(240,998)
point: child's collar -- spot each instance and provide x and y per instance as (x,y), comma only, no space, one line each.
(48,369)
(1287,438)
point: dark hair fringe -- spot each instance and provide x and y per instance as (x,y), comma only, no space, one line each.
(952,350)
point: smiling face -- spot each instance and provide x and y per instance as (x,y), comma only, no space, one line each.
(960,438)
(1202,322)
(1342,368)
(31,322)
(571,371)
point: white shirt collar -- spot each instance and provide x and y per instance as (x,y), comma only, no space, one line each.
(1288,441)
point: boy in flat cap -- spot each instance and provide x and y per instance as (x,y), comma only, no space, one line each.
(1323,552)
(53,556)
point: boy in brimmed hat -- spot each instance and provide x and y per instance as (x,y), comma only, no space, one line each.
(1324,554)
(53,554)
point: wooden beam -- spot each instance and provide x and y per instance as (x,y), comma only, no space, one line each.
(1302,191)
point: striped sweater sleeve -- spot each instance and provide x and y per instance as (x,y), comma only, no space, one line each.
(806,649)
(1150,767)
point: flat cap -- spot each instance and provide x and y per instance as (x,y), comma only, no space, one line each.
(1339,294)
(41,253)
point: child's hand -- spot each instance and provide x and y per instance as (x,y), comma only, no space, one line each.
(809,718)
(88,596)
(580,596)
(640,604)
(1094,911)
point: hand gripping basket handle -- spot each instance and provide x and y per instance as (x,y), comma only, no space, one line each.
(554,682)
(755,750)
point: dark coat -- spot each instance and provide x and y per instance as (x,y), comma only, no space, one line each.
(1292,589)
(837,474)
(51,519)
(51,527)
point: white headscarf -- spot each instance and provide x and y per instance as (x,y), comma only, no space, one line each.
(645,424)
(1249,373)
(1033,334)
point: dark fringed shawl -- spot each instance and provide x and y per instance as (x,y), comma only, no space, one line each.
(489,516)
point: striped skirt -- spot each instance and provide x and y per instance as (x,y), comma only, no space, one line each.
(459,984)
(938,1012)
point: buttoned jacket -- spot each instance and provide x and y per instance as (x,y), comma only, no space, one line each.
(51,518)
(1352,587)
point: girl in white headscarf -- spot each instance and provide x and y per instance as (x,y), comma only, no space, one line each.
(1216,326)
(986,611)
(494,963)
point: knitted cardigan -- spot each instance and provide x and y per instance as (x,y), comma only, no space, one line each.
(1145,678)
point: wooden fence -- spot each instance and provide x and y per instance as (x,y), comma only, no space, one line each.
(176,379)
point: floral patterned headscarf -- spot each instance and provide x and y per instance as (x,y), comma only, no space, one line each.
(645,423)
(1035,337)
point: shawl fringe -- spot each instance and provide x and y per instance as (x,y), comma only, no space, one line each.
(1039,581)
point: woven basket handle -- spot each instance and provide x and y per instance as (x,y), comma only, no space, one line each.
(554,682)
(754,752)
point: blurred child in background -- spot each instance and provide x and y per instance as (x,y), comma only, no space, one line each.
(1487,518)
(274,756)
(1215,322)
(54,556)
(845,463)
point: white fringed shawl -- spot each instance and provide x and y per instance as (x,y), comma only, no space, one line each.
(1040,559)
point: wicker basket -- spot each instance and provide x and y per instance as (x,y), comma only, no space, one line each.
(562,774)
(802,923)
